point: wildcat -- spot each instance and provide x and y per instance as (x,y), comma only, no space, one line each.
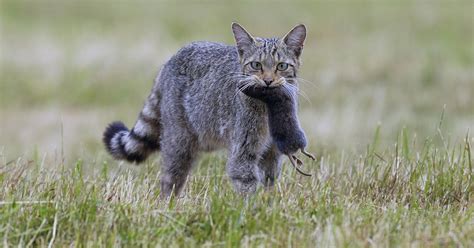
(197,104)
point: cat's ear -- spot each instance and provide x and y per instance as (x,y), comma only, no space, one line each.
(243,39)
(294,40)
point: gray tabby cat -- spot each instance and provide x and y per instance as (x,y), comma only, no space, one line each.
(197,105)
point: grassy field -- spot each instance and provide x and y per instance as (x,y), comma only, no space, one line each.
(387,107)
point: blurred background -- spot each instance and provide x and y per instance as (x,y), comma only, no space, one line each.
(68,68)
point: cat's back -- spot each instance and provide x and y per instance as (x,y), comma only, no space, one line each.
(193,73)
(198,88)
(201,58)
(200,72)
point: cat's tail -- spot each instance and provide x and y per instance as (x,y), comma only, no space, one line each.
(137,144)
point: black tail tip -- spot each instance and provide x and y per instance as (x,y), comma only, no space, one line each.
(112,129)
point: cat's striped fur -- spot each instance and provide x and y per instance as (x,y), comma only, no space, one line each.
(137,144)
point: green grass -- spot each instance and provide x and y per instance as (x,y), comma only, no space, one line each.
(398,196)
(388,103)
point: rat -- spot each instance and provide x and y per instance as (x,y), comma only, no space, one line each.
(283,122)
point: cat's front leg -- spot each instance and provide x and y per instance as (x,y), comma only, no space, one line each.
(241,168)
(269,166)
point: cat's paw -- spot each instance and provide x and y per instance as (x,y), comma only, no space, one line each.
(245,186)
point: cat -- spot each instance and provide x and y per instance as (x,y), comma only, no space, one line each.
(197,105)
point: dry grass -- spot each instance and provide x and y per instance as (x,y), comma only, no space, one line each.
(403,71)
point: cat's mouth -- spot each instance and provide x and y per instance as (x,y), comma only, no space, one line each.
(264,88)
(255,83)
(274,84)
(260,83)
(269,86)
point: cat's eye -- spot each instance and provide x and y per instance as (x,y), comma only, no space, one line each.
(282,66)
(256,65)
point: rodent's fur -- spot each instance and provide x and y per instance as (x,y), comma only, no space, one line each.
(283,122)
(285,128)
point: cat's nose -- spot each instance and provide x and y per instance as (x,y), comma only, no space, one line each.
(268,81)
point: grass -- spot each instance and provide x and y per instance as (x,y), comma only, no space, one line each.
(393,197)
(387,109)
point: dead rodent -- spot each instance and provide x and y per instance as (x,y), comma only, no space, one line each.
(283,122)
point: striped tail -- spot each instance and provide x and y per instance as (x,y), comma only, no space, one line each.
(137,144)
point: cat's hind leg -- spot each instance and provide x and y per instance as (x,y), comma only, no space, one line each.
(179,152)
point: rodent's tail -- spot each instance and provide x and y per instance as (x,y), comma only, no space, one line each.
(137,144)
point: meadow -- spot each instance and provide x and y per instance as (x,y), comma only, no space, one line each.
(386,103)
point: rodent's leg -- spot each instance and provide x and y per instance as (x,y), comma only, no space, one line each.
(308,154)
(292,159)
(298,161)
(179,151)
(269,166)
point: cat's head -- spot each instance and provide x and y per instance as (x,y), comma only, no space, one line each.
(271,62)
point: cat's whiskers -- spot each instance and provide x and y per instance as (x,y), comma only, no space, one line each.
(279,82)
(239,77)
(307,82)
(298,91)
(243,87)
